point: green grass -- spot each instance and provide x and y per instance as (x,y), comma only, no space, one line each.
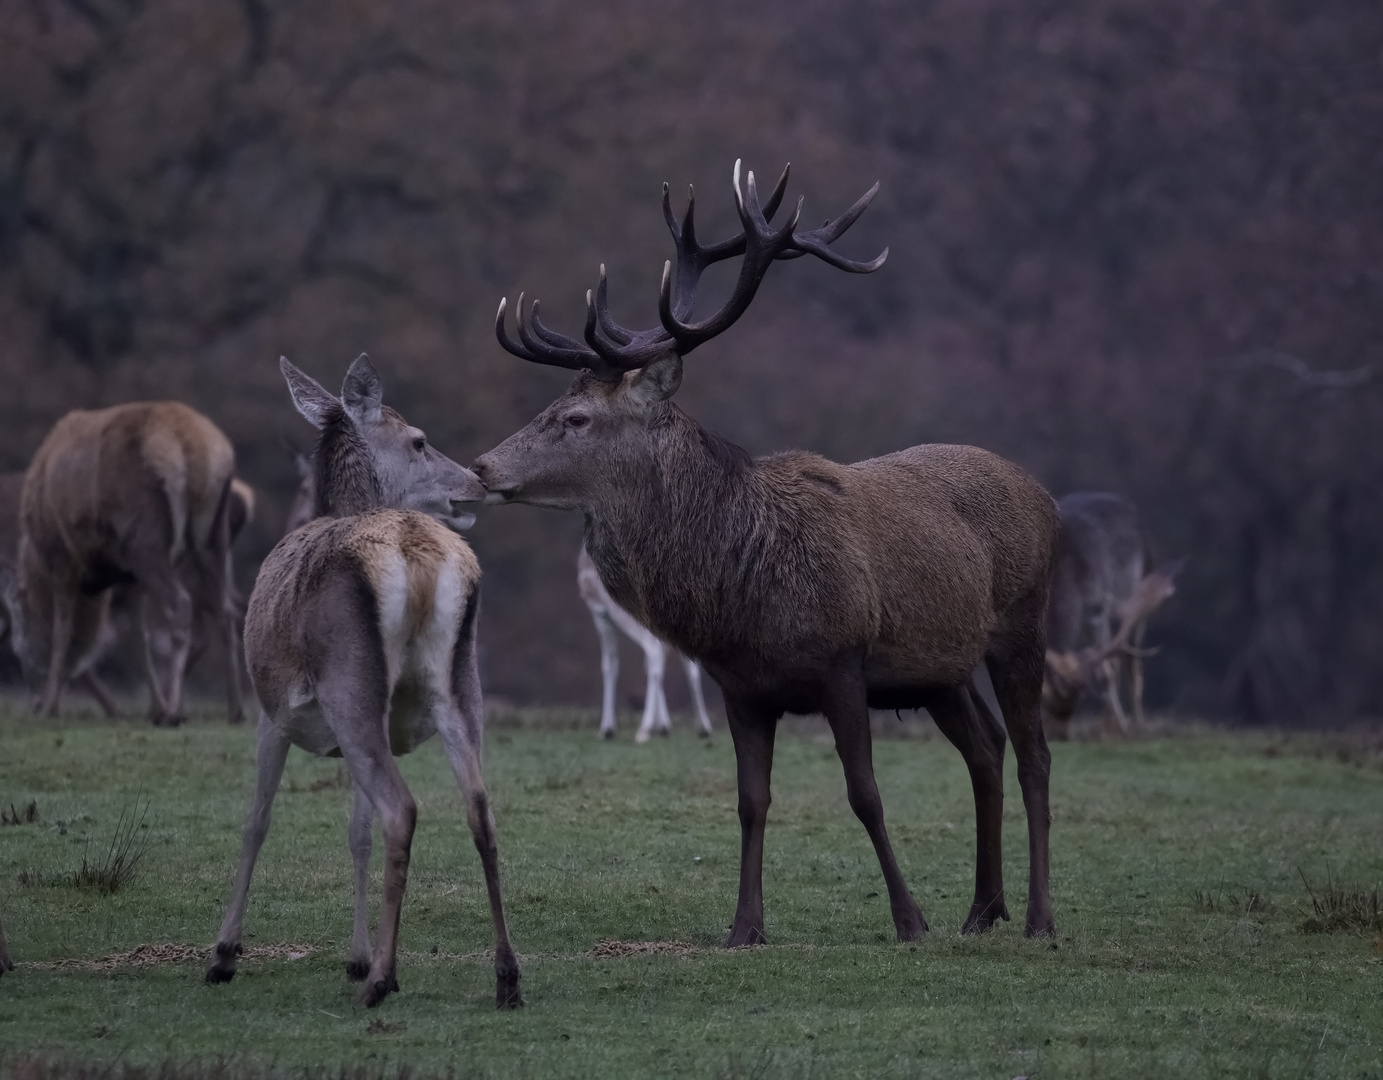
(1181,950)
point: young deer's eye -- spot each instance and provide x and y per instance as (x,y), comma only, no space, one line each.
(420,444)
(576,420)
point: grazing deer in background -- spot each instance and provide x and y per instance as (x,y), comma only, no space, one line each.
(94,635)
(1070,673)
(134,494)
(607,616)
(800,585)
(361,642)
(1101,559)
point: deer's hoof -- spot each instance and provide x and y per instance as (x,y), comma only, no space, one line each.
(507,992)
(217,974)
(377,991)
(356,970)
(742,936)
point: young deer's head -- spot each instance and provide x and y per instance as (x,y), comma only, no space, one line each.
(369,457)
(588,440)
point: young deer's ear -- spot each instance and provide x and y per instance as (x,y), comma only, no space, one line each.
(310,397)
(362,393)
(654,383)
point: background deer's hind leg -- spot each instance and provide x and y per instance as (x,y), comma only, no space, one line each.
(698,698)
(359,835)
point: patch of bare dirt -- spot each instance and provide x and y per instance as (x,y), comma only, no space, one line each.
(617,950)
(168,953)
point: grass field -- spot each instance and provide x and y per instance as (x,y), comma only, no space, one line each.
(1177,886)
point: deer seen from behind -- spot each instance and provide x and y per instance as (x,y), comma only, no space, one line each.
(609,617)
(136,494)
(360,638)
(799,584)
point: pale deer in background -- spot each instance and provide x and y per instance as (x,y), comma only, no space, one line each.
(1102,556)
(800,585)
(1069,674)
(609,616)
(136,494)
(361,642)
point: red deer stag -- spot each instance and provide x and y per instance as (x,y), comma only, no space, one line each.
(1070,672)
(609,617)
(134,494)
(361,641)
(800,585)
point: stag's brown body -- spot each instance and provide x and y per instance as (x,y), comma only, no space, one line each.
(137,494)
(801,585)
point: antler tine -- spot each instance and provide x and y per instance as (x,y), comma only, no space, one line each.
(502,333)
(613,330)
(541,345)
(818,241)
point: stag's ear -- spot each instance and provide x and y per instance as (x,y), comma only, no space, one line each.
(309,396)
(362,393)
(654,383)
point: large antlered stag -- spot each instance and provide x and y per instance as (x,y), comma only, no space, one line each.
(801,585)
(134,494)
(360,637)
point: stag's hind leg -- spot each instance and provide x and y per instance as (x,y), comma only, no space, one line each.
(848,714)
(1015,665)
(272,753)
(966,721)
(459,713)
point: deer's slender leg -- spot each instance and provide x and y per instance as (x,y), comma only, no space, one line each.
(359,835)
(609,669)
(752,731)
(654,702)
(1114,708)
(460,721)
(166,617)
(93,685)
(843,702)
(60,643)
(693,670)
(1016,673)
(272,752)
(5,963)
(966,721)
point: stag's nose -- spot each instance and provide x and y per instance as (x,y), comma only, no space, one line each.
(498,489)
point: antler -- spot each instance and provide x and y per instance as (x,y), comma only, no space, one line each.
(1152,590)
(610,349)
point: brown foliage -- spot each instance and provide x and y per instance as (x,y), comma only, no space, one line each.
(1105,220)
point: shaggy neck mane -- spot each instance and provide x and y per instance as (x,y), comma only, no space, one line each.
(343,475)
(686,538)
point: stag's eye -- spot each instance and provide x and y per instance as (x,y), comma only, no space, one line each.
(576,420)
(420,444)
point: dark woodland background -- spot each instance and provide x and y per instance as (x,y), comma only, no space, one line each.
(1123,234)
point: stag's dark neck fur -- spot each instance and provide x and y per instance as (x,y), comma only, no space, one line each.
(344,476)
(707,535)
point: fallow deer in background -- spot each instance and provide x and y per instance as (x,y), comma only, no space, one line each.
(361,641)
(800,585)
(609,616)
(1070,673)
(1102,557)
(134,494)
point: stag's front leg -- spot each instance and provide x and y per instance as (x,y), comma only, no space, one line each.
(753,733)
(272,753)
(362,822)
(844,704)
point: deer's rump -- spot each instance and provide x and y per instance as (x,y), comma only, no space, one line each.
(388,588)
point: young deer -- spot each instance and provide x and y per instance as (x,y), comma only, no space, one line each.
(609,616)
(1070,672)
(800,585)
(361,642)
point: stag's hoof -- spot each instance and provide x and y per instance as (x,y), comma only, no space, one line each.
(1040,924)
(740,936)
(217,974)
(5,964)
(356,970)
(378,990)
(982,917)
(607,734)
(507,992)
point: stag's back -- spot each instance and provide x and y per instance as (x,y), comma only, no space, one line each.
(102,474)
